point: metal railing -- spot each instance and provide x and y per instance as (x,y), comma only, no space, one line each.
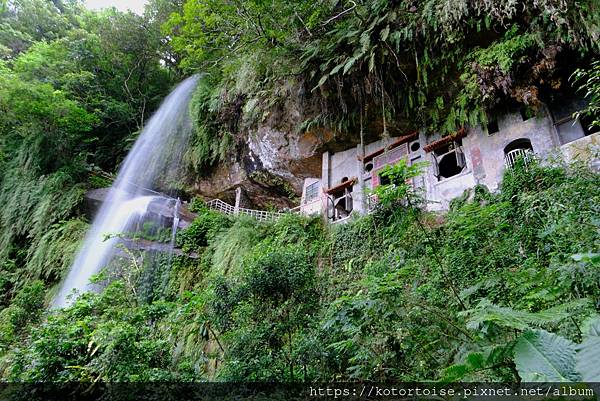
(220,206)
(260,215)
(294,209)
(510,159)
(372,202)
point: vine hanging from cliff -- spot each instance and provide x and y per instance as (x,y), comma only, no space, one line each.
(440,64)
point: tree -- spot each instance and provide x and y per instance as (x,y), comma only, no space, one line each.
(75,85)
(588,81)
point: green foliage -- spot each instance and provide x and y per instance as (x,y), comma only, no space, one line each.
(543,357)
(231,247)
(210,30)
(279,276)
(74,85)
(197,205)
(211,140)
(588,353)
(588,82)
(26,308)
(476,364)
(498,289)
(507,52)
(352,243)
(268,310)
(35,203)
(486,314)
(99,338)
(56,249)
(400,186)
(152,231)
(203,229)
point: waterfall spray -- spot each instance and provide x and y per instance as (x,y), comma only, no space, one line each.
(155,157)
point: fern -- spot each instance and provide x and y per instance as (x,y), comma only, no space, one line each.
(479,365)
(229,249)
(53,253)
(31,205)
(486,312)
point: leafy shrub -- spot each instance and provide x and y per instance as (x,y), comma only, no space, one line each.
(204,228)
(353,241)
(267,310)
(400,187)
(278,276)
(26,308)
(100,337)
(197,205)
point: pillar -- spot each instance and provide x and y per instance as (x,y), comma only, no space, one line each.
(362,196)
(238,198)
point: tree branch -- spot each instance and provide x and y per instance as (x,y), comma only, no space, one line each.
(340,14)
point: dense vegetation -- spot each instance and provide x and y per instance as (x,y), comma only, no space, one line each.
(400,65)
(75,88)
(400,294)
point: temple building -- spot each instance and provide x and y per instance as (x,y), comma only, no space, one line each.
(456,162)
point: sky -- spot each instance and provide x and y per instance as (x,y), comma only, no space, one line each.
(137,6)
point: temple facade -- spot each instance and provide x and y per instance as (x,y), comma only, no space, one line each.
(457,162)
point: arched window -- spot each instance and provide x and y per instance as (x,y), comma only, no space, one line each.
(518,149)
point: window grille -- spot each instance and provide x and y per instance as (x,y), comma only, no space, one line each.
(312,192)
(510,159)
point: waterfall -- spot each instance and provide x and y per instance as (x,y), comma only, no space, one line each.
(174,227)
(175,223)
(155,158)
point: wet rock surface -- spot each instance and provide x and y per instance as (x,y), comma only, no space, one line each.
(94,198)
(270,165)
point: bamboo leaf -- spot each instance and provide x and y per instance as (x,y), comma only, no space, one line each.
(349,64)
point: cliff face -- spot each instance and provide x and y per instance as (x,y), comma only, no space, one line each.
(272,158)
(433,65)
(270,167)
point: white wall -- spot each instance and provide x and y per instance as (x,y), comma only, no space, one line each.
(484,154)
(314,206)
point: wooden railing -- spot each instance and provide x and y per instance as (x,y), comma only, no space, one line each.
(260,215)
